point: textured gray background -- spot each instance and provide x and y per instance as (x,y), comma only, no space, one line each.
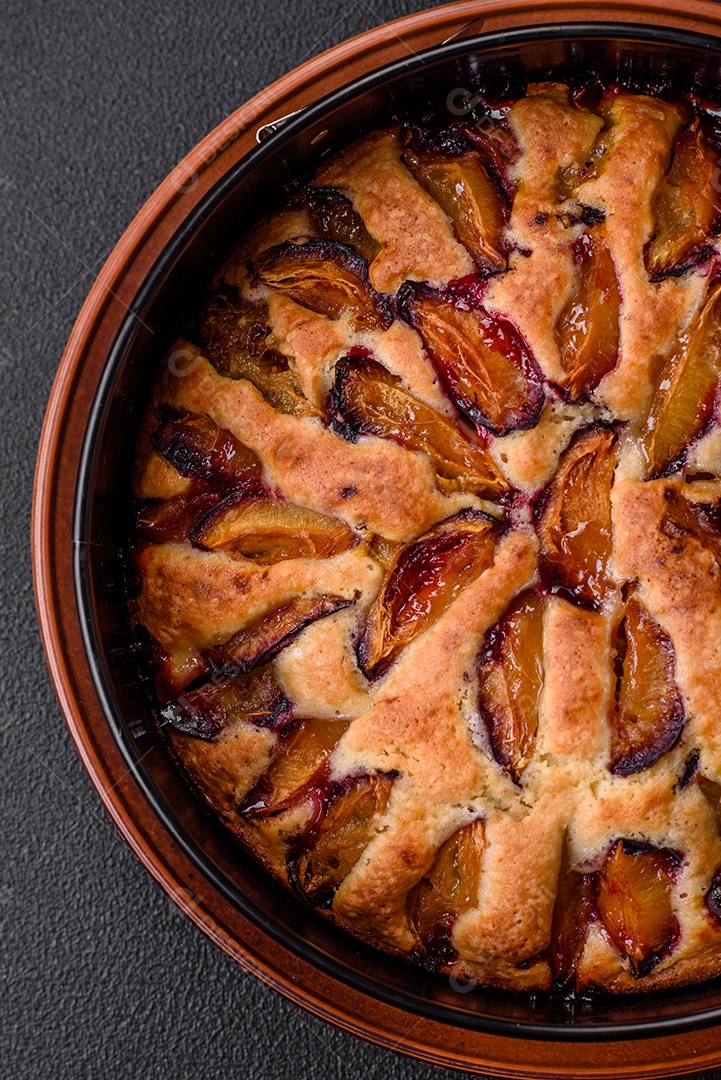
(101,974)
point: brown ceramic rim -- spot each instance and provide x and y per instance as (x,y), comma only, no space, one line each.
(59,454)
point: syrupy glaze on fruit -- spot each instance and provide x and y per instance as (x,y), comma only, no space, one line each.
(428,542)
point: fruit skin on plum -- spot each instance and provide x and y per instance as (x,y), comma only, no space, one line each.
(649,715)
(344,823)
(447,890)
(633,893)
(687,388)
(573,518)
(326,277)
(261,642)
(424,578)
(369,400)
(588,330)
(686,206)
(510,669)
(481,359)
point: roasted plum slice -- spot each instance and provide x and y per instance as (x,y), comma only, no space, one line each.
(205,711)
(336,219)
(510,679)
(326,277)
(424,579)
(686,207)
(588,329)
(202,451)
(369,400)
(298,761)
(685,520)
(572,913)
(266,637)
(684,399)
(339,834)
(574,518)
(235,337)
(633,891)
(649,714)
(466,192)
(161,521)
(481,359)
(449,889)
(269,531)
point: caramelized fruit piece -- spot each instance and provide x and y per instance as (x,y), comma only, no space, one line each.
(686,207)
(463,188)
(588,330)
(202,451)
(685,396)
(160,521)
(206,710)
(267,531)
(264,639)
(685,520)
(371,401)
(649,714)
(234,336)
(448,890)
(511,677)
(426,576)
(591,166)
(574,517)
(481,359)
(298,762)
(331,848)
(334,217)
(325,277)
(633,898)
(571,915)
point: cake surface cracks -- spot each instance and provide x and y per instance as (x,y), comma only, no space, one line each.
(428,542)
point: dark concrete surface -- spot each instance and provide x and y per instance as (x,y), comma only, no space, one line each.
(101,974)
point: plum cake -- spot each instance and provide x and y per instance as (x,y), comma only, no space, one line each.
(427,548)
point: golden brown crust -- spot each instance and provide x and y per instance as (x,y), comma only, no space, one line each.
(411,744)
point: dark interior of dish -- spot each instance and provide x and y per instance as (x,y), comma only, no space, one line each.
(645,58)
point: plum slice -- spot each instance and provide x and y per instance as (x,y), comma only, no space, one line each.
(588,329)
(326,277)
(369,400)
(686,391)
(202,451)
(336,219)
(685,520)
(463,188)
(334,842)
(481,359)
(510,681)
(269,531)
(266,637)
(298,763)
(686,207)
(424,579)
(574,518)
(235,337)
(161,521)
(572,912)
(205,711)
(649,715)
(449,889)
(633,892)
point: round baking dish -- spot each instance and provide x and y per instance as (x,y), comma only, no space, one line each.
(81,521)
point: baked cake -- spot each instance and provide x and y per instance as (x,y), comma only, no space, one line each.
(428,542)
